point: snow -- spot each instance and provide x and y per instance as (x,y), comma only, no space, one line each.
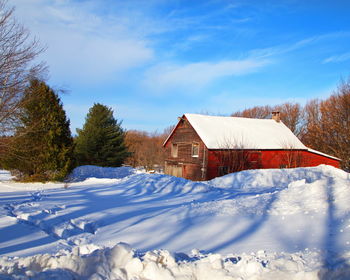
(219,132)
(5,175)
(255,224)
(91,171)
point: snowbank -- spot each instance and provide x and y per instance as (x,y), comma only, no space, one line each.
(263,179)
(121,262)
(83,172)
(5,176)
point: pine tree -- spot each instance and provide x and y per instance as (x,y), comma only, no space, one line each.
(42,147)
(101,141)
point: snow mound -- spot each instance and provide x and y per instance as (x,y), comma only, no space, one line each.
(153,184)
(5,176)
(274,179)
(84,172)
(122,262)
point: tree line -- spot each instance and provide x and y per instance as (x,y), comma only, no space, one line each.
(146,148)
(323,125)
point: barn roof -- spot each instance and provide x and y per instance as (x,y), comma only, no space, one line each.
(234,132)
(219,132)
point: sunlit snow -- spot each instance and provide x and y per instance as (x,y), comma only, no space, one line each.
(256,224)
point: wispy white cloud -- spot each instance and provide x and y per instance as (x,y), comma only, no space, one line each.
(282,49)
(194,76)
(294,46)
(88,43)
(81,43)
(189,42)
(338,58)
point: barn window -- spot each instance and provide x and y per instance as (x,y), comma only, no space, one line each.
(195,149)
(223,170)
(174,150)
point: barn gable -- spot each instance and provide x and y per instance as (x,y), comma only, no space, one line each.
(185,152)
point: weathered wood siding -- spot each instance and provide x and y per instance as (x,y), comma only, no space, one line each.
(191,167)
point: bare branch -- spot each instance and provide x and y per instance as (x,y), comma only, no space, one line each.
(17,55)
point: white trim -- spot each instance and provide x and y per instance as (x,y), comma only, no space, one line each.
(174,151)
(193,144)
(322,154)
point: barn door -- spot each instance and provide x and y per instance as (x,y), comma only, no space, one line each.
(177,170)
(174,170)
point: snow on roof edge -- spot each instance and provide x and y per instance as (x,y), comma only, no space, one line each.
(172,131)
(322,154)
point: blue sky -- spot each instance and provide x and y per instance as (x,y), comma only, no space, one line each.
(153,60)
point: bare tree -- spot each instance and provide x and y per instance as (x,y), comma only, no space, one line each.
(323,125)
(328,124)
(292,117)
(232,156)
(257,112)
(335,123)
(313,117)
(291,157)
(146,148)
(17,55)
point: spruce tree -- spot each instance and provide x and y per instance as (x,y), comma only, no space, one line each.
(42,147)
(101,141)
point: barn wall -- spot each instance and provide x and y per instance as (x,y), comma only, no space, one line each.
(295,158)
(283,159)
(266,159)
(219,159)
(316,159)
(184,165)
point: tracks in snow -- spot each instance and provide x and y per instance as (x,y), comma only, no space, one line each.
(51,220)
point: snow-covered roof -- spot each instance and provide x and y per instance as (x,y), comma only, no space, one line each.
(233,132)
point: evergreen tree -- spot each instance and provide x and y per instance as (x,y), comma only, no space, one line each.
(101,141)
(42,147)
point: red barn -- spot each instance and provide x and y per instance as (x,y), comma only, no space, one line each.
(203,147)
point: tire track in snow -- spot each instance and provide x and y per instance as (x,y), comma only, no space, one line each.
(10,208)
(60,231)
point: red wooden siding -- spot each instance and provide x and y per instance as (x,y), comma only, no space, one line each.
(272,159)
(295,158)
(313,159)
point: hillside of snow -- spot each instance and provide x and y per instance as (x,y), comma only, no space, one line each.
(256,224)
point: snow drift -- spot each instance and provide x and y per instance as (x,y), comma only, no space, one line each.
(121,262)
(91,171)
(256,224)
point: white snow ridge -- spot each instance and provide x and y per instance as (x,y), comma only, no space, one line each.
(256,224)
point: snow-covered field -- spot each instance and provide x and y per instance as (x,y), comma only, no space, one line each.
(123,224)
